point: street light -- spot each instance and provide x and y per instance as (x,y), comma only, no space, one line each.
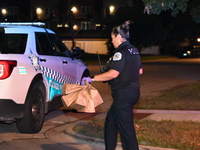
(75,27)
(74,10)
(4,11)
(111,9)
(38,11)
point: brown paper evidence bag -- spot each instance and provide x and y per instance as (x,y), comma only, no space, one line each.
(81,98)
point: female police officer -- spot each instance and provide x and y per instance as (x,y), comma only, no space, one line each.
(123,71)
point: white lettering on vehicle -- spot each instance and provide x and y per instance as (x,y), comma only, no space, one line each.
(55,85)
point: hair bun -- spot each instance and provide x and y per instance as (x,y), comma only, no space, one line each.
(126,25)
(124,29)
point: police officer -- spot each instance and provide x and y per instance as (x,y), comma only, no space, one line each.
(123,70)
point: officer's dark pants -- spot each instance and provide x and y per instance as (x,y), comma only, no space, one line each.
(120,118)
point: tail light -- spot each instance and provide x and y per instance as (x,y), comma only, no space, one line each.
(6,68)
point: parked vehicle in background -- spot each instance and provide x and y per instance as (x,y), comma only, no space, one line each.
(34,64)
(189,48)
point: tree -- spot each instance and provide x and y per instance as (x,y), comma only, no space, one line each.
(163,30)
(145,30)
(176,6)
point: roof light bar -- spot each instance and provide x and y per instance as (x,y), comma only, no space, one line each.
(23,23)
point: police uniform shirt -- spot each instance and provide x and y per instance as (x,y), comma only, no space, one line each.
(126,60)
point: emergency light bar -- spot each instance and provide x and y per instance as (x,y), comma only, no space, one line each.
(23,23)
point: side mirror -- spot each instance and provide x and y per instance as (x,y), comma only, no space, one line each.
(76,52)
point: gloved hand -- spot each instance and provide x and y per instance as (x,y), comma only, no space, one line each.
(86,79)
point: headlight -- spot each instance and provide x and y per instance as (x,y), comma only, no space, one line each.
(198,39)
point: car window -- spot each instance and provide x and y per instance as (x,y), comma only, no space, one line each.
(43,44)
(58,46)
(2,39)
(14,43)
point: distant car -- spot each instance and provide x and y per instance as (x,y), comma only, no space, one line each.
(187,51)
(189,48)
(34,65)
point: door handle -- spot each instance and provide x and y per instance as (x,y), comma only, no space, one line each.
(42,60)
(65,62)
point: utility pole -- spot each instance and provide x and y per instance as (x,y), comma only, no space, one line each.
(71,23)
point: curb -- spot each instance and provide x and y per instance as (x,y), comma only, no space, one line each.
(166,111)
(100,142)
(91,140)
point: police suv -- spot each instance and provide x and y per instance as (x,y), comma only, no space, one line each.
(34,64)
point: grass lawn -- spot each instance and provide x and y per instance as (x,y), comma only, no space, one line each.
(182,98)
(183,135)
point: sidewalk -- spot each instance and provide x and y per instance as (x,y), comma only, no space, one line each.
(88,143)
(174,115)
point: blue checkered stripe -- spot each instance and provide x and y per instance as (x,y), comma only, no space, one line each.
(56,76)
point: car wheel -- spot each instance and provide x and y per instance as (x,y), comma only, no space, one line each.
(33,118)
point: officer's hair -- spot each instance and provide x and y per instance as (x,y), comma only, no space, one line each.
(122,29)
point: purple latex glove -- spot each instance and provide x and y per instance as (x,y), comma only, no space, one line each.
(85,80)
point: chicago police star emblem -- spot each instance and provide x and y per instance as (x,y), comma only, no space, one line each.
(117,56)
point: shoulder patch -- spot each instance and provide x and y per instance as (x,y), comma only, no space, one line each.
(117,56)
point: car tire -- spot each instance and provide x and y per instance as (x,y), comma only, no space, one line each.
(34,114)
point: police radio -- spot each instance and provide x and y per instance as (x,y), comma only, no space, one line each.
(102,69)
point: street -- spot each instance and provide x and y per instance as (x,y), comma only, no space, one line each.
(159,76)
